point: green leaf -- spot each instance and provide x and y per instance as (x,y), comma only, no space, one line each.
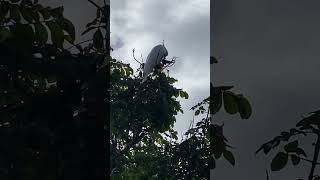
(14,13)
(218,149)
(197,112)
(4,9)
(27,13)
(45,13)
(215,102)
(184,94)
(57,36)
(279,161)
(229,157)
(244,106)
(68,27)
(57,12)
(4,34)
(41,33)
(230,102)
(213,60)
(68,38)
(295,159)
(98,40)
(301,152)
(292,146)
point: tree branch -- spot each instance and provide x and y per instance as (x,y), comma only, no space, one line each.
(315,157)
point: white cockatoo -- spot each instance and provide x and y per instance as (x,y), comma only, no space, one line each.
(157,54)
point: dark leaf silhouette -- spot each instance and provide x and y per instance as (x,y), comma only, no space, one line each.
(279,161)
(41,35)
(295,159)
(98,39)
(229,157)
(230,102)
(292,146)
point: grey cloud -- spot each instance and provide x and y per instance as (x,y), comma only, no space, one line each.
(270,52)
(184,27)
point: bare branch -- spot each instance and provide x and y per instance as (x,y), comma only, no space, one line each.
(74,45)
(135,58)
(95,4)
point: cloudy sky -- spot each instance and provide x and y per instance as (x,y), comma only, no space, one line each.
(270,53)
(184,25)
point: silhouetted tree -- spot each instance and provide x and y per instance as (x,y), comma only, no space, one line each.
(53,103)
(290,148)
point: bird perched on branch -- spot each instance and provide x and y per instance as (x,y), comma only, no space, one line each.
(155,57)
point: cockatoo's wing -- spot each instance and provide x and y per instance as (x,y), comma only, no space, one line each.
(154,58)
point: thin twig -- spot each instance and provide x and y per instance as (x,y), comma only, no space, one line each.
(308,160)
(135,58)
(315,158)
(74,45)
(95,4)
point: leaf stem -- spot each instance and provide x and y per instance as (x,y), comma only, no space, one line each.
(315,157)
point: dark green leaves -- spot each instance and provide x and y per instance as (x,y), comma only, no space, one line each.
(4,34)
(279,161)
(98,40)
(229,157)
(57,36)
(14,13)
(244,107)
(27,14)
(216,103)
(184,94)
(57,12)
(45,13)
(230,102)
(68,27)
(213,60)
(41,33)
(197,112)
(295,159)
(4,9)
(236,103)
(292,146)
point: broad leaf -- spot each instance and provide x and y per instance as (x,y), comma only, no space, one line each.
(41,35)
(230,102)
(279,161)
(292,146)
(98,39)
(295,159)
(244,107)
(27,13)
(57,36)
(4,34)
(14,13)
(68,27)
(229,157)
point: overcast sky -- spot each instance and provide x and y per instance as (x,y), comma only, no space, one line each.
(184,25)
(270,53)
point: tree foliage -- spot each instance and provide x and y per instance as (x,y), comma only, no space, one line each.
(290,148)
(52,103)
